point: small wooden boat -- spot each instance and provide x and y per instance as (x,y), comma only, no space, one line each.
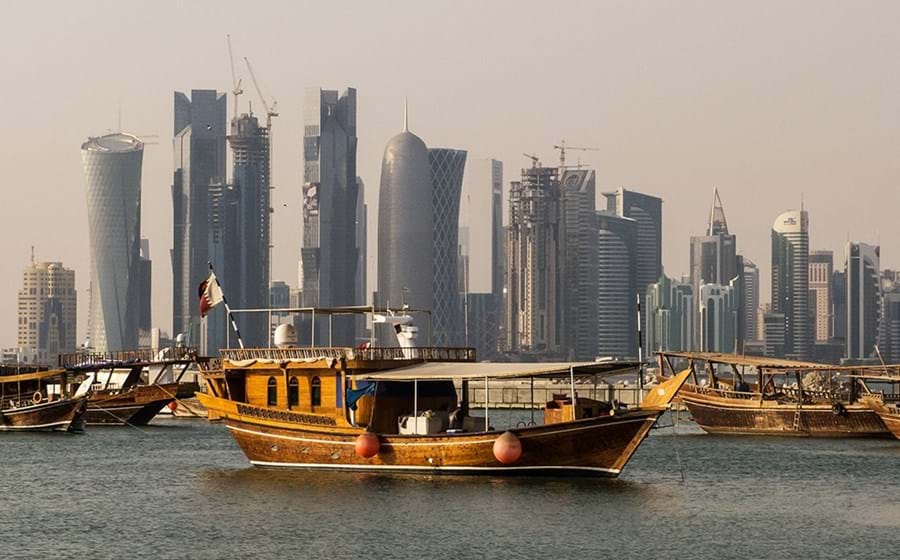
(881,393)
(130,387)
(398,410)
(727,402)
(36,399)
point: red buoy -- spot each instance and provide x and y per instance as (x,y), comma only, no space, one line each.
(173,406)
(367,445)
(507,448)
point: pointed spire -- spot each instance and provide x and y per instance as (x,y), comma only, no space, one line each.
(405,114)
(717,222)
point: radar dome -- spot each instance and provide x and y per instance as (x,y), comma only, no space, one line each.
(285,336)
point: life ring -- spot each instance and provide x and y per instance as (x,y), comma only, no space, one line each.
(37,397)
(838,409)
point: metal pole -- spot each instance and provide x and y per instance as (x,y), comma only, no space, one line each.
(330,323)
(372,327)
(416,405)
(270,329)
(486,393)
(532,400)
(312,336)
(574,398)
(640,398)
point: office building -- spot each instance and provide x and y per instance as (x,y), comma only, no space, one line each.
(821,269)
(617,245)
(47,313)
(719,317)
(862,269)
(670,316)
(750,305)
(145,307)
(330,255)
(774,334)
(579,273)
(112,177)
(790,281)
(200,161)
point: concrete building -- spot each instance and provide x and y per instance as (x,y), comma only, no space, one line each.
(447,170)
(821,268)
(719,317)
(862,267)
(47,312)
(670,316)
(790,281)
(533,301)
(646,211)
(579,273)
(617,247)
(750,305)
(839,305)
(200,161)
(330,256)
(482,264)
(889,336)
(112,178)
(362,257)
(774,334)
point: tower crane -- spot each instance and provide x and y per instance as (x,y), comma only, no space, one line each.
(271,110)
(562,147)
(235,81)
(535,161)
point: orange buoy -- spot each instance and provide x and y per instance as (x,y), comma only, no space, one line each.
(173,406)
(367,445)
(507,448)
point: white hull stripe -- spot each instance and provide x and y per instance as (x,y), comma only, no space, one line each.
(63,424)
(433,469)
(485,440)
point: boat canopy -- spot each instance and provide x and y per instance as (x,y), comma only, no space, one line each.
(495,370)
(762,362)
(31,376)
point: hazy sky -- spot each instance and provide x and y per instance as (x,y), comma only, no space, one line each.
(764,100)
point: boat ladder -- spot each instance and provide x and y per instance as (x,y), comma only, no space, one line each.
(797,419)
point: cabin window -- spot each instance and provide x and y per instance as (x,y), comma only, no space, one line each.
(315,393)
(294,392)
(272,392)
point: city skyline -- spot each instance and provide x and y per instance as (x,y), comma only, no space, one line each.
(772,149)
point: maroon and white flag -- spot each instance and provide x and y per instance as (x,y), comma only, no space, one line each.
(210,294)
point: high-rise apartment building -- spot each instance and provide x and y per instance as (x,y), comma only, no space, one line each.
(47,312)
(112,177)
(670,316)
(330,256)
(200,161)
(447,169)
(821,268)
(533,300)
(482,263)
(790,281)
(862,267)
(618,240)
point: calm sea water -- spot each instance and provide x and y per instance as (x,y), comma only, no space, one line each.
(183,489)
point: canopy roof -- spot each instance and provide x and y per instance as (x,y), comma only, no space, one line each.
(494,370)
(777,363)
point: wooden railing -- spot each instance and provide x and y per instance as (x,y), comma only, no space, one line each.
(724,393)
(145,355)
(368,354)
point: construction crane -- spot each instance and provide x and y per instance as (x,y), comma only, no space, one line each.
(235,81)
(562,147)
(535,161)
(271,110)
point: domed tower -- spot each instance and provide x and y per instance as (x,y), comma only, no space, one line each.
(405,225)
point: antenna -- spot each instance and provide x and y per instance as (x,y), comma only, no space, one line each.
(405,114)
(32,255)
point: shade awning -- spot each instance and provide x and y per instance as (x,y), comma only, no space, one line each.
(494,370)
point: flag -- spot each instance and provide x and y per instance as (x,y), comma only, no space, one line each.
(210,294)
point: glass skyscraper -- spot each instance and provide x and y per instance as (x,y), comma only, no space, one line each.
(790,284)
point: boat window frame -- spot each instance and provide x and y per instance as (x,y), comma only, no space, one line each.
(315,391)
(293,391)
(272,391)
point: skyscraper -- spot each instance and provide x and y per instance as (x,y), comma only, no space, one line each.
(331,201)
(145,317)
(618,240)
(821,267)
(862,267)
(405,227)
(719,314)
(750,305)
(482,263)
(790,281)
(200,161)
(646,210)
(670,316)
(889,337)
(713,256)
(579,273)
(447,168)
(533,302)
(47,311)
(112,177)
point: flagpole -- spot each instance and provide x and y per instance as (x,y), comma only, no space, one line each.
(227,309)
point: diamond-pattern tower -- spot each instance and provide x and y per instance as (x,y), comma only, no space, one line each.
(112,177)
(447,167)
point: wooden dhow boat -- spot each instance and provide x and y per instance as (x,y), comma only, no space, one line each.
(751,395)
(881,393)
(406,409)
(132,387)
(33,398)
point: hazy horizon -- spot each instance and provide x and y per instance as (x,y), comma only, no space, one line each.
(765,101)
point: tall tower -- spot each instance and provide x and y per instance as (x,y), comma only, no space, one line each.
(200,161)
(447,167)
(617,247)
(863,299)
(247,259)
(821,268)
(406,228)
(790,281)
(47,312)
(112,177)
(533,299)
(579,270)
(329,254)
(750,304)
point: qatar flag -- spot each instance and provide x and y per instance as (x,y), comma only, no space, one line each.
(210,294)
